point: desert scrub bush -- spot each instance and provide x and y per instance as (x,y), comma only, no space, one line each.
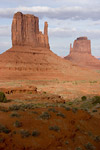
(17,124)
(74,110)
(3,109)
(83,98)
(97,138)
(89,146)
(35,133)
(2,140)
(52,110)
(15,114)
(34,112)
(61,115)
(96,100)
(54,128)
(24,133)
(70,103)
(22,107)
(94,110)
(4,129)
(67,108)
(78,148)
(45,115)
(66,142)
(3,97)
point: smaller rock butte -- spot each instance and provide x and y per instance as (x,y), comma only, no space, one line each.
(25,31)
(80,54)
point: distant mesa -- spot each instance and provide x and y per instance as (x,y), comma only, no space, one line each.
(80,54)
(25,31)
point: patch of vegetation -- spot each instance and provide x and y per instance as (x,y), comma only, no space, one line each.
(3,109)
(35,133)
(93,81)
(54,128)
(67,108)
(96,100)
(4,129)
(3,98)
(22,107)
(52,110)
(45,115)
(66,142)
(97,138)
(89,146)
(74,110)
(2,140)
(70,103)
(95,110)
(15,114)
(61,115)
(83,98)
(78,148)
(18,124)
(24,133)
(34,112)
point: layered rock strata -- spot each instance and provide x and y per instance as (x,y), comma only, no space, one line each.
(25,31)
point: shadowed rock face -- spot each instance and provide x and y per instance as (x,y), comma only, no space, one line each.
(25,31)
(80,54)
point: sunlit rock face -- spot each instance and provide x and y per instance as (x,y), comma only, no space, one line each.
(80,54)
(25,31)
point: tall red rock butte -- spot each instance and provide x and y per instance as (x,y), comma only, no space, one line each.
(30,56)
(25,31)
(80,54)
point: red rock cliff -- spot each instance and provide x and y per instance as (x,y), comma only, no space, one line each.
(25,31)
(80,54)
(81,45)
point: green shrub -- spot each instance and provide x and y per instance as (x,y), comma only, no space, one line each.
(96,100)
(94,110)
(2,97)
(24,133)
(52,110)
(83,98)
(2,140)
(4,129)
(45,115)
(54,128)
(61,115)
(89,146)
(35,133)
(66,142)
(78,148)
(97,139)
(14,114)
(18,124)
(67,108)
(74,110)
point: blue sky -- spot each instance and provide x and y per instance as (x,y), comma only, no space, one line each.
(67,19)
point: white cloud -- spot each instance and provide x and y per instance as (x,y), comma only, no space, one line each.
(73,32)
(62,13)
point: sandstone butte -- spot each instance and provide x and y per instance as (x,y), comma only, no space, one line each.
(30,56)
(80,54)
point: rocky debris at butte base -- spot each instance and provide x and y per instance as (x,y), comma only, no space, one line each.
(80,54)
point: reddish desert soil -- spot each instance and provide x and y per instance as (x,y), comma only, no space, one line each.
(74,130)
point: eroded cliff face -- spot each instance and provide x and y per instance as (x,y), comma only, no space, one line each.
(82,45)
(80,54)
(25,31)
